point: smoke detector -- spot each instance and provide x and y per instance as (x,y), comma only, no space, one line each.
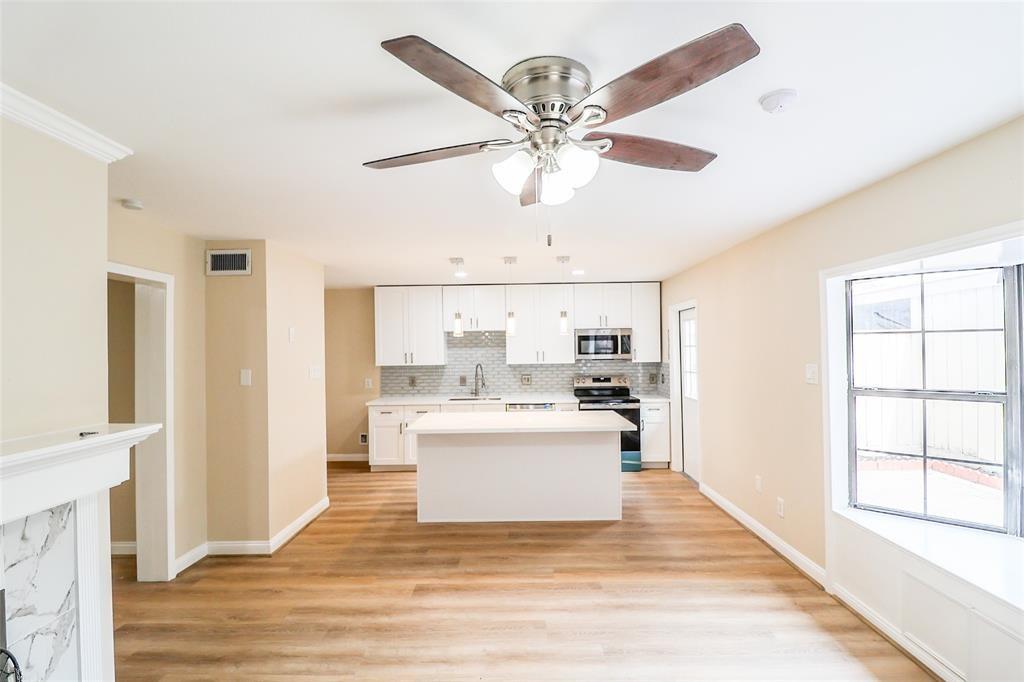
(132,204)
(778,101)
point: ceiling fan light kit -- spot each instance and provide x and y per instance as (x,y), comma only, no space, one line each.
(547,98)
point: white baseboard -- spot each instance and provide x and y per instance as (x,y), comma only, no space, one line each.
(806,566)
(293,528)
(190,557)
(923,655)
(122,547)
(351,457)
(267,547)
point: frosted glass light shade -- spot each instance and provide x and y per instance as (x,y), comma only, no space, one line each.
(457,330)
(510,324)
(511,173)
(556,188)
(580,164)
(563,323)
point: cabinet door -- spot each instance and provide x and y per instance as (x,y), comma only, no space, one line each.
(654,433)
(618,306)
(412,413)
(489,407)
(456,407)
(489,308)
(389,325)
(555,347)
(386,436)
(646,322)
(424,330)
(521,347)
(588,305)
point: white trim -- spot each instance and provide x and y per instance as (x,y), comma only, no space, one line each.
(293,528)
(33,114)
(806,566)
(94,587)
(349,457)
(122,547)
(268,547)
(192,556)
(155,477)
(911,645)
(675,389)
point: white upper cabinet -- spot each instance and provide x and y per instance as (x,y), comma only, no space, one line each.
(407,325)
(538,339)
(482,307)
(646,324)
(603,305)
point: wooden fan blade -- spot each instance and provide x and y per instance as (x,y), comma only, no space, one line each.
(456,76)
(673,73)
(647,151)
(531,190)
(431,155)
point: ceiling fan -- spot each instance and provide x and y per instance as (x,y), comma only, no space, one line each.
(546,98)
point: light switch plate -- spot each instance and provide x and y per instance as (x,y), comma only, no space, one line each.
(780,507)
(412,381)
(245,377)
(314,372)
(462,380)
(291,334)
(811,373)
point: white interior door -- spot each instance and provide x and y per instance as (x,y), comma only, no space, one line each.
(618,304)
(521,347)
(690,394)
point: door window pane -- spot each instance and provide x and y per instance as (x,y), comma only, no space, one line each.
(890,481)
(887,360)
(965,361)
(887,304)
(969,299)
(965,430)
(890,424)
(966,492)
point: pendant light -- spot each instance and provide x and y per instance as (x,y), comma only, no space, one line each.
(510,317)
(459,272)
(457,330)
(563,315)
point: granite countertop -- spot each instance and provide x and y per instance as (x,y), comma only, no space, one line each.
(519,422)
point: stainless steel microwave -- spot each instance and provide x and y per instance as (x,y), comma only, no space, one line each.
(604,344)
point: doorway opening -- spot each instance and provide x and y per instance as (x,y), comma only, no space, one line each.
(686,454)
(140,334)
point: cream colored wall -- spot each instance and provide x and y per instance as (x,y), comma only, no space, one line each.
(121,396)
(350,360)
(237,417)
(53,285)
(143,240)
(297,421)
(759,320)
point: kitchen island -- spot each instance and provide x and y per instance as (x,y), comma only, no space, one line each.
(519,466)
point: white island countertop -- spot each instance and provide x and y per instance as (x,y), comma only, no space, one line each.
(520,422)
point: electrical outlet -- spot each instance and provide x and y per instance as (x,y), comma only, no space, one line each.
(412,382)
(652,378)
(526,379)
(780,507)
(367,383)
(757,484)
(662,378)
(363,439)
(462,380)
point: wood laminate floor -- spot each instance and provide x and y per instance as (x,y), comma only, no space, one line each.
(675,591)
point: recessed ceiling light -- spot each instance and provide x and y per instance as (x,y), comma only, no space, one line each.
(778,101)
(132,204)
(578,273)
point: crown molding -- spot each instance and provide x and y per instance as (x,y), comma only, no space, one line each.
(31,113)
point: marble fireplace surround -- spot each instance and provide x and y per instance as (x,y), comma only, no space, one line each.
(55,547)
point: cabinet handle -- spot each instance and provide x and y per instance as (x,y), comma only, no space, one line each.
(405,358)
(412,358)
(422,411)
(388,412)
(400,424)
(643,424)
(543,356)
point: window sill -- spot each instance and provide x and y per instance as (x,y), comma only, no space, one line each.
(992,562)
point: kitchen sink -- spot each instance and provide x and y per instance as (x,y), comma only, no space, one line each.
(472,398)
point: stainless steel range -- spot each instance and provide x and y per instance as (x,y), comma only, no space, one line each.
(612,393)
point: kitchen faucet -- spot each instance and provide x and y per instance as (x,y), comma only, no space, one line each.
(478,380)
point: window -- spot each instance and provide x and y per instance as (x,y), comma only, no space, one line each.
(688,343)
(934,400)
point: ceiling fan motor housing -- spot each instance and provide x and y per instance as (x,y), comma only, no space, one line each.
(550,86)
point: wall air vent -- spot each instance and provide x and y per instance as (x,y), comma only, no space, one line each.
(221,262)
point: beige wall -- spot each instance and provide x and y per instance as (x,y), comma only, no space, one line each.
(297,421)
(237,418)
(759,320)
(141,239)
(350,360)
(121,395)
(54,285)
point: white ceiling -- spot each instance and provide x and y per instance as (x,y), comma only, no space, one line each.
(252,120)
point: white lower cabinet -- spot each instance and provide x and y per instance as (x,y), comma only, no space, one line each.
(390,444)
(655,443)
